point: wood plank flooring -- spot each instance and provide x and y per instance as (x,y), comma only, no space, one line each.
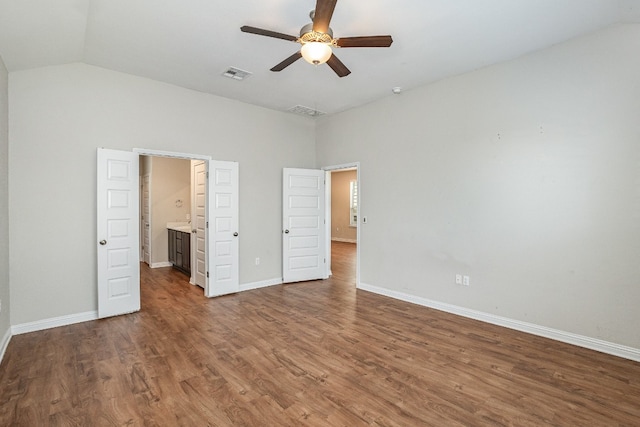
(309,354)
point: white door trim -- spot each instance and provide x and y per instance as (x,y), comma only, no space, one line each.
(172,154)
(328,170)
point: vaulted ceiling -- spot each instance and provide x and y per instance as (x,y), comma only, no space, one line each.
(191,43)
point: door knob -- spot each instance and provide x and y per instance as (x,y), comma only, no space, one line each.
(235,234)
(103,242)
(286,231)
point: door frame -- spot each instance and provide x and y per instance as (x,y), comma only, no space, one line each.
(180,156)
(327,190)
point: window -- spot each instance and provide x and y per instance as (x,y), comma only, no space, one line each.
(353,204)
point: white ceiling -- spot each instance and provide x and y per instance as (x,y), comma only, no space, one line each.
(190,43)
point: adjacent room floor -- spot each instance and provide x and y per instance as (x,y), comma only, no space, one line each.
(318,353)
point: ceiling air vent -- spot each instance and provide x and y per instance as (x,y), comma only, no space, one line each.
(305,111)
(236,73)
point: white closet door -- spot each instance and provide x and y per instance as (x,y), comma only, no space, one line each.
(118,236)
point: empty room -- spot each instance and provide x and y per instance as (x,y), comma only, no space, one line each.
(179,163)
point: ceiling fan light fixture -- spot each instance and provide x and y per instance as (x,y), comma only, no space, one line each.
(316,52)
(317,40)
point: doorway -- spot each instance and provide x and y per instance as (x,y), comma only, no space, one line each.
(343,221)
(307,222)
(174,197)
(118,228)
(218,181)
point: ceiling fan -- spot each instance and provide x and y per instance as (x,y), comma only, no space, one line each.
(317,40)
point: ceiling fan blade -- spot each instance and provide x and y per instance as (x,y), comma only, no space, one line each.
(337,66)
(323,12)
(268,33)
(290,60)
(367,41)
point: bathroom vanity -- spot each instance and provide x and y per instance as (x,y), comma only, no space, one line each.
(180,247)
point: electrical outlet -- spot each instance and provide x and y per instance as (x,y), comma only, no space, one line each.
(465,280)
(458,279)
(257,261)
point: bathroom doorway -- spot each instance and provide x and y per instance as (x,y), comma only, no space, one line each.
(173,199)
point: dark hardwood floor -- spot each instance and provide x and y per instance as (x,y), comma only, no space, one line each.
(316,353)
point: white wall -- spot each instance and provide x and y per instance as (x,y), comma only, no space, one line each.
(61,114)
(341,206)
(4,202)
(524,176)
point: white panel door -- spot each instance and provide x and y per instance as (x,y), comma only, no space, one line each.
(303,237)
(146,218)
(223,254)
(199,224)
(118,233)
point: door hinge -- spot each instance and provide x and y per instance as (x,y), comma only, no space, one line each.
(207,274)
(207,224)
(207,174)
(325,260)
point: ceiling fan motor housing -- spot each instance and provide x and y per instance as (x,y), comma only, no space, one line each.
(307,35)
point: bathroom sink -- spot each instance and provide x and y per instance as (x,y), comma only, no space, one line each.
(185,228)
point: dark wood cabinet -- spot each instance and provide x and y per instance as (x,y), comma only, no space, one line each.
(180,250)
(172,246)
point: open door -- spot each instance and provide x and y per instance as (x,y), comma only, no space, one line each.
(199,224)
(118,233)
(303,225)
(223,251)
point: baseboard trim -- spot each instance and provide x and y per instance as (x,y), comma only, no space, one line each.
(53,322)
(161,264)
(5,343)
(531,328)
(339,239)
(543,331)
(261,284)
